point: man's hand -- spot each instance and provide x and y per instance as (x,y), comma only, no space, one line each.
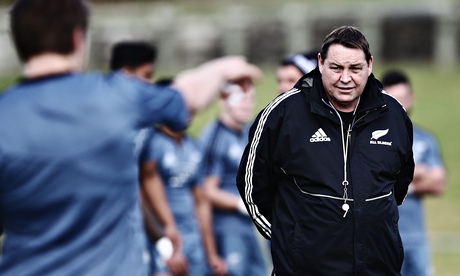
(218,265)
(177,264)
(234,68)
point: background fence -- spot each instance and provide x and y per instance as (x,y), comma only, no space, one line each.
(190,32)
(421,36)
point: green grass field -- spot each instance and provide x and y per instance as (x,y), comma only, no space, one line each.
(437,108)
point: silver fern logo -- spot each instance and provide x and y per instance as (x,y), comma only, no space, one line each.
(376,135)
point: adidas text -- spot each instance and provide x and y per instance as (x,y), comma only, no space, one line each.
(320,139)
(320,136)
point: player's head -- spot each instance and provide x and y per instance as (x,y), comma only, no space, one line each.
(293,67)
(237,102)
(396,83)
(48,26)
(135,58)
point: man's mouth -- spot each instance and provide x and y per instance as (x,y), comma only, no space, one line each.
(347,89)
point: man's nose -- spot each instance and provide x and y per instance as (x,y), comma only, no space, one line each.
(345,76)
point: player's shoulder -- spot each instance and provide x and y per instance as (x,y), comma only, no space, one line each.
(6,95)
(207,130)
(157,136)
(192,143)
(390,100)
(423,133)
(215,137)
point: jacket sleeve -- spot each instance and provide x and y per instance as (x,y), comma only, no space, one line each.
(256,179)
(406,173)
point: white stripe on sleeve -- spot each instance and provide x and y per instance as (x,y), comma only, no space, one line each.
(258,218)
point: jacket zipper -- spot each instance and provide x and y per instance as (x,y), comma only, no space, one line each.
(345,206)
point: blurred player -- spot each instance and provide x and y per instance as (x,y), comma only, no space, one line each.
(293,67)
(429,179)
(224,142)
(68,193)
(68,189)
(178,161)
(136,58)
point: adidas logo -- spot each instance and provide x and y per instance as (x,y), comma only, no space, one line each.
(319,136)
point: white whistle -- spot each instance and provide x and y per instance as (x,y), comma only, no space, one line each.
(345,207)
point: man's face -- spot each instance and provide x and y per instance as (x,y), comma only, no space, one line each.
(344,73)
(240,101)
(287,76)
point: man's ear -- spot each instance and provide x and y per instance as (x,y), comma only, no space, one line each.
(369,64)
(79,47)
(320,63)
(78,38)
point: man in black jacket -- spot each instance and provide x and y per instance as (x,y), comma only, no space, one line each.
(326,165)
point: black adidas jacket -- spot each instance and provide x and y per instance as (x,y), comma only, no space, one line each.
(291,179)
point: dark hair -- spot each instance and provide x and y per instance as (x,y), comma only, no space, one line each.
(393,77)
(165,82)
(349,37)
(304,61)
(132,54)
(40,26)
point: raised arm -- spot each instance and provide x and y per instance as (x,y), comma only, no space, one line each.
(200,86)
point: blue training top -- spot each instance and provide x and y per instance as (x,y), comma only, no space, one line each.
(68,176)
(223,148)
(411,213)
(179,165)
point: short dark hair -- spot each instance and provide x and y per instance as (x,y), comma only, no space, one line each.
(394,76)
(132,54)
(40,26)
(349,37)
(166,81)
